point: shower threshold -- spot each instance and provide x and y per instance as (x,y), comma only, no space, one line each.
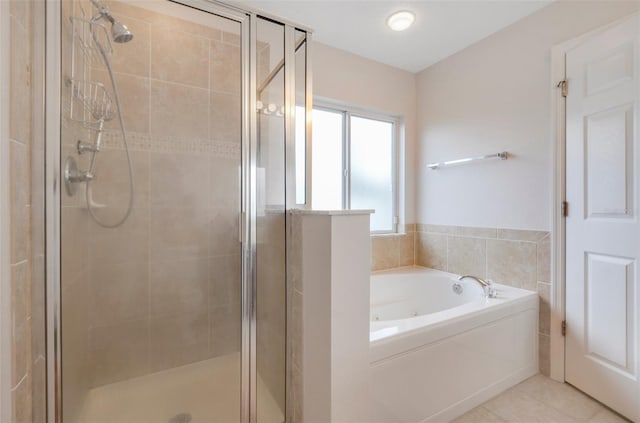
(207,391)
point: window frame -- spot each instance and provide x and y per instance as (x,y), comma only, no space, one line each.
(347,113)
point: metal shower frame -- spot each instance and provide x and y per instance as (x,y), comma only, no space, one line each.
(51,20)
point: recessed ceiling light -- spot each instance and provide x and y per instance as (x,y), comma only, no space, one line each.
(400,21)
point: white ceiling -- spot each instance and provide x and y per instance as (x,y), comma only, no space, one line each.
(441,28)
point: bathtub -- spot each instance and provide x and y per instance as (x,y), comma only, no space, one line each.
(435,354)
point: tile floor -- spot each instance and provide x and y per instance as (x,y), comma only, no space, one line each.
(540,399)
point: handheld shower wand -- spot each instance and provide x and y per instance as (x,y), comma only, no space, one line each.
(120,34)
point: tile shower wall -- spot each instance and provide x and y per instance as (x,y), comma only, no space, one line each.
(27,220)
(163,289)
(518,258)
(20,173)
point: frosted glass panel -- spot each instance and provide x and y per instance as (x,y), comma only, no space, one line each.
(327,165)
(372,170)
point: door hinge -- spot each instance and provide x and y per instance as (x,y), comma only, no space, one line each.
(564,328)
(565,209)
(564,86)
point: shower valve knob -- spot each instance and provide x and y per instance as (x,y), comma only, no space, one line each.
(81,177)
(85,146)
(72,175)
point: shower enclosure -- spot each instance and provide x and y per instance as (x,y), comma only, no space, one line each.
(172,133)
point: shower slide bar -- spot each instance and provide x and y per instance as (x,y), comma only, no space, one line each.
(502,156)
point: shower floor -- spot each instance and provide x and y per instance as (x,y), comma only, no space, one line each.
(207,390)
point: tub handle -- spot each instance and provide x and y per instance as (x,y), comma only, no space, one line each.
(490,291)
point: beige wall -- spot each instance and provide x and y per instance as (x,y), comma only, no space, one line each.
(496,95)
(353,80)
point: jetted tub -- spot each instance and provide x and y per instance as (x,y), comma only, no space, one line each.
(436,354)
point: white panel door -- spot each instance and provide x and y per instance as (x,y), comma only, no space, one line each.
(603,227)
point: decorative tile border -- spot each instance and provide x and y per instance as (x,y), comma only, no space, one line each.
(139,141)
(160,144)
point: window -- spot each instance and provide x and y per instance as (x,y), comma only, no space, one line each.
(354,164)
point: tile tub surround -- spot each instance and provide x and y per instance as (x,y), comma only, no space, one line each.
(519,258)
(162,290)
(513,257)
(393,250)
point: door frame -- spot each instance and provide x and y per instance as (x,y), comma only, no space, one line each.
(558,236)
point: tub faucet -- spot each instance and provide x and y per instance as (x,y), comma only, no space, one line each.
(489,290)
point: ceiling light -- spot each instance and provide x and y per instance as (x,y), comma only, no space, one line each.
(400,21)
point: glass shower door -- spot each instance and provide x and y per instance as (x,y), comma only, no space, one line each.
(270,222)
(151,275)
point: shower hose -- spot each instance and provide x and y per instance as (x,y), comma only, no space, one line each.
(126,148)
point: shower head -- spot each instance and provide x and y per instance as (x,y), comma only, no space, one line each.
(119,31)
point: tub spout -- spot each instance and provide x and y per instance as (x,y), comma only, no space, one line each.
(477,279)
(489,290)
